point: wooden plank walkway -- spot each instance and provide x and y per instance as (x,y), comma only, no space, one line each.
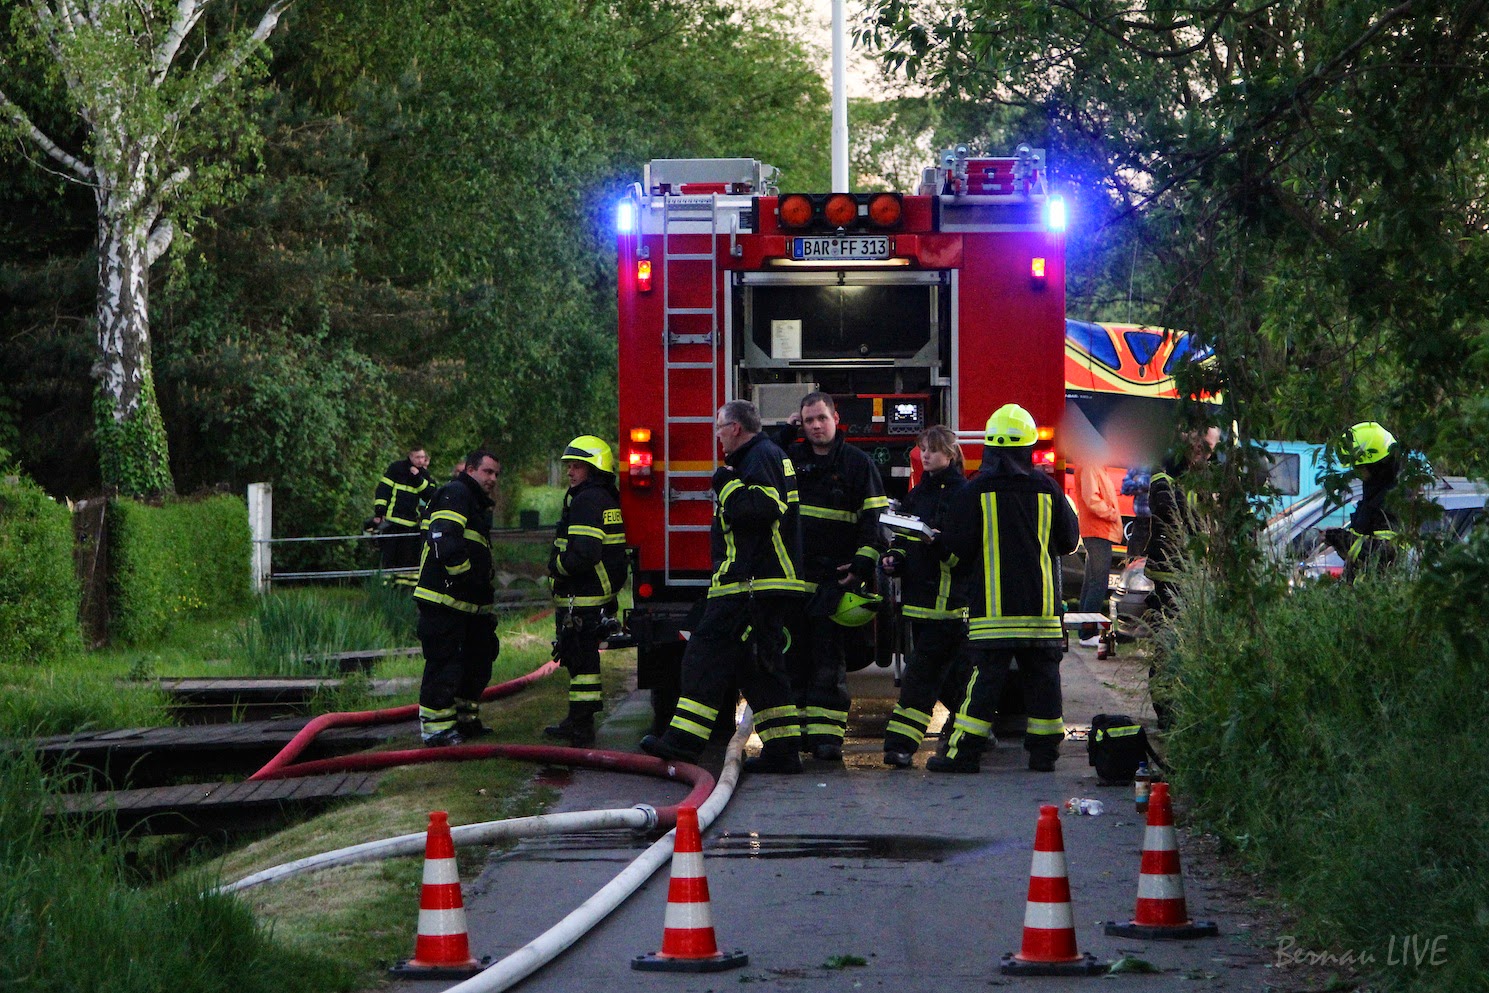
(152,756)
(225,699)
(201,808)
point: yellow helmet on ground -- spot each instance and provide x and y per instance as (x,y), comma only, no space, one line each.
(1367,444)
(1011,426)
(856,608)
(591,451)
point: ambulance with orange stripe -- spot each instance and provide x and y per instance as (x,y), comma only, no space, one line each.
(934,307)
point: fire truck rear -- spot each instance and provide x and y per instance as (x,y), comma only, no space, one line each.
(910,310)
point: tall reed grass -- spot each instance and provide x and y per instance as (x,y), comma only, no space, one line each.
(295,633)
(76,920)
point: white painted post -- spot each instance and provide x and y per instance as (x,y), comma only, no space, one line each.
(261,528)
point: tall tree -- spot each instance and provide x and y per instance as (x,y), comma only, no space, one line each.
(154,90)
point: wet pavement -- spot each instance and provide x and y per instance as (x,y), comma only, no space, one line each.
(920,877)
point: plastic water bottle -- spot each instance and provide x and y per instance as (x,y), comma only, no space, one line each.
(1142,786)
(1084,805)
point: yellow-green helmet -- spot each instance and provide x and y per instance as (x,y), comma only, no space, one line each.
(856,608)
(1011,426)
(591,451)
(1367,444)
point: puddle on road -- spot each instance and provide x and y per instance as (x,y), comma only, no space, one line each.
(873,847)
(620,847)
(557,776)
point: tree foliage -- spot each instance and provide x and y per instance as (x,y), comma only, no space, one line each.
(1306,177)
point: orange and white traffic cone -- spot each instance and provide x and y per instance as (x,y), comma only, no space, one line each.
(1049,922)
(688,943)
(442,949)
(1161,910)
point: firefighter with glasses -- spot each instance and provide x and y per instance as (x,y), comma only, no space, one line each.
(755,543)
(587,568)
(1004,535)
(841,498)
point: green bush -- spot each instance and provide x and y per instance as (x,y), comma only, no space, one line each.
(1333,736)
(183,557)
(38,585)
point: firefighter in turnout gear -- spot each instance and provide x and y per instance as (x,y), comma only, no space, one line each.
(587,568)
(456,601)
(841,497)
(398,503)
(935,607)
(1370,451)
(756,549)
(1004,535)
(1175,517)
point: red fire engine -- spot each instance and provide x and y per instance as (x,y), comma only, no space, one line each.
(911,310)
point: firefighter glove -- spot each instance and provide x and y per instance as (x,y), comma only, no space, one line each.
(894,559)
(721,477)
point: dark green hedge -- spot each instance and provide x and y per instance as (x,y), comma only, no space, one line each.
(38,588)
(173,560)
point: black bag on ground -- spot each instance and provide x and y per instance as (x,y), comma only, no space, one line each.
(1116,745)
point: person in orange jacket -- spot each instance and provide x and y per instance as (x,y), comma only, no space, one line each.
(1101,528)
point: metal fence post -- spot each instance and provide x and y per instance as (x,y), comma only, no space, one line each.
(261,529)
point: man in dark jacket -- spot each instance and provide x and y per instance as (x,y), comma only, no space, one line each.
(397,508)
(456,601)
(587,568)
(1004,535)
(756,546)
(935,606)
(841,498)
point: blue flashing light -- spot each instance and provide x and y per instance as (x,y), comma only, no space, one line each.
(1054,217)
(625,217)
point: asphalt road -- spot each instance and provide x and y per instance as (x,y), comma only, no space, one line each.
(922,877)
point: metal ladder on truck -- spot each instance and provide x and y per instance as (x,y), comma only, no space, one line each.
(691,215)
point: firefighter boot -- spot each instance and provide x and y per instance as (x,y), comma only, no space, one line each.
(659,746)
(576,730)
(783,759)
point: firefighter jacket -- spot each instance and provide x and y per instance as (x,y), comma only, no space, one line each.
(755,538)
(926,586)
(588,561)
(1371,535)
(1004,535)
(841,497)
(402,494)
(1174,518)
(455,569)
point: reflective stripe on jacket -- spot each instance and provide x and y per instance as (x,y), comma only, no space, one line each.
(755,539)
(455,568)
(402,493)
(926,585)
(1004,535)
(588,561)
(841,498)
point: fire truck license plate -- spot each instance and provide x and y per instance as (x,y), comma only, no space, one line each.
(812,249)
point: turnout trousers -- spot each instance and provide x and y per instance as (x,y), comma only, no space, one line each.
(400,548)
(459,650)
(1039,675)
(935,655)
(819,674)
(737,643)
(577,636)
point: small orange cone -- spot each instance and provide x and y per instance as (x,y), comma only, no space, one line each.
(1161,910)
(442,949)
(688,943)
(1049,922)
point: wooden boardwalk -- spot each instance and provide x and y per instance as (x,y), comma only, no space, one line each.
(155,756)
(202,808)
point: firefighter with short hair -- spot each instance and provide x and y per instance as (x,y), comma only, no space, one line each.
(398,505)
(1004,535)
(755,543)
(587,568)
(1370,452)
(841,498)
(456,601)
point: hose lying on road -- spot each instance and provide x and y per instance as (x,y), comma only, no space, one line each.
(547,946)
